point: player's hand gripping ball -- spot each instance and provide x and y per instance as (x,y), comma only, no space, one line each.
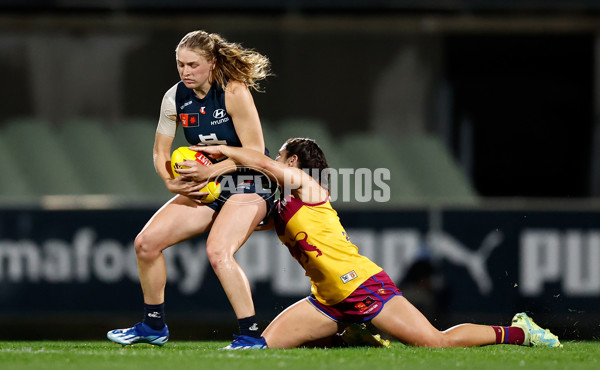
(181,154)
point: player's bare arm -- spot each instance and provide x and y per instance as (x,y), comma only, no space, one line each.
(162,164)
(162,156)
(299,183)
(240,106)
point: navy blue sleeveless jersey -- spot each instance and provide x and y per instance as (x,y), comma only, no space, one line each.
(205,121)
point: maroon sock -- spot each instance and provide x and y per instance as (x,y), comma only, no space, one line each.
(509,335)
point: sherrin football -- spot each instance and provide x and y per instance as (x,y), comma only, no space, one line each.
(184,153)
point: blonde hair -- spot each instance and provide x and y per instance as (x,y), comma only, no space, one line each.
(232,61)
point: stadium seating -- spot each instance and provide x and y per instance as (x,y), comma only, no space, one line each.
(272,139)
(90,157)
(433,171)
(96,159)
(134,140)
(373,152)
(308,128)
(12,181)
(44,163)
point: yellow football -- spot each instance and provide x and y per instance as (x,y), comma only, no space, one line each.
(184,153)
(214,190)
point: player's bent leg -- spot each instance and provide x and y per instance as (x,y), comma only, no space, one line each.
(405,322)
(298,324)
(233,226)
(179,219)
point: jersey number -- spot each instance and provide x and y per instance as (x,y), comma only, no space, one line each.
(211,139)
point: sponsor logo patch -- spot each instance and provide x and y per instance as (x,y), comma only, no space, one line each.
(189,119)
(185,104)
(364,304)
(219,113)
(349,276)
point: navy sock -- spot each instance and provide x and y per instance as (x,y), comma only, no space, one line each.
(249,327)
(154,315)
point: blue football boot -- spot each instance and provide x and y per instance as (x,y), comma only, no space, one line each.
(246,342)
(139,333)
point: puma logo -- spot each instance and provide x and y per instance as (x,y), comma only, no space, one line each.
(445,246)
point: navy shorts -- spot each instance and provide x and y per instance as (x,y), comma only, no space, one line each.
(245,181)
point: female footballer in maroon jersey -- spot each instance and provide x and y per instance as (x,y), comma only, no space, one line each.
(346,286)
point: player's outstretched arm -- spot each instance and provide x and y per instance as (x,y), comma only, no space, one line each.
(290,179)
(250,158)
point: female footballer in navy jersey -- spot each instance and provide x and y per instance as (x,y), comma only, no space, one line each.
(213,104)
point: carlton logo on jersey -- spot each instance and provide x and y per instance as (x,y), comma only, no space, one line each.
(189,119)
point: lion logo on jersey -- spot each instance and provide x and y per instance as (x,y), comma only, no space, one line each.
(301,247)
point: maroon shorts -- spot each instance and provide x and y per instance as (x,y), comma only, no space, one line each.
(364,303)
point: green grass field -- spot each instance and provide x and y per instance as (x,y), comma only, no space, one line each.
(49,355)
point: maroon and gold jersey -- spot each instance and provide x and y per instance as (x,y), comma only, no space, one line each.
(316,238)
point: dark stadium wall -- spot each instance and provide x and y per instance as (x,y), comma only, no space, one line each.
(526,102)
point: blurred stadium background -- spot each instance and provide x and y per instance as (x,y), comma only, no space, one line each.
(486,113)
